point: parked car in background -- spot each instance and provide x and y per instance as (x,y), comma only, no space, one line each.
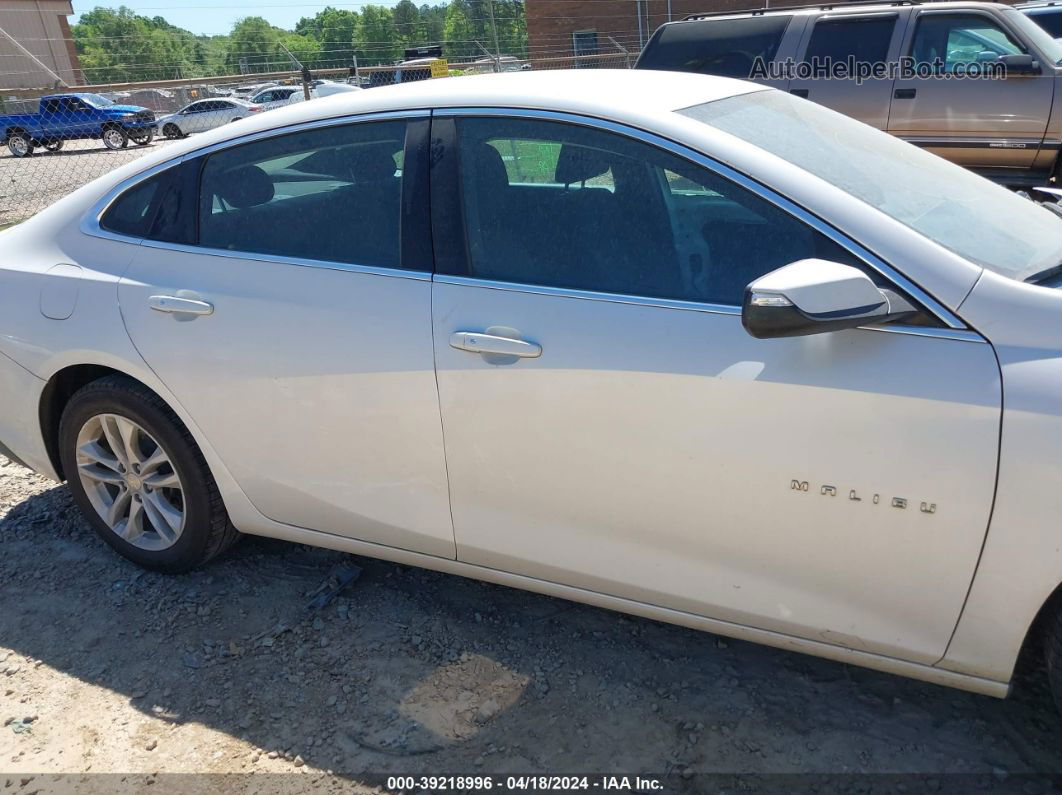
(1009,130)
(247,90)
(703,351)
(277,97)
(65,117)
(1048,15)
(204,114)
(326,89)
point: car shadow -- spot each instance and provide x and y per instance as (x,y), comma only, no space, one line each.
(414,672)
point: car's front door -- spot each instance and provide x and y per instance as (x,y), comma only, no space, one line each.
(294,326)
(978,122)
(610,425)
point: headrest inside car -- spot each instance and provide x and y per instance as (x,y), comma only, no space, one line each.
(578,164)
(246,186)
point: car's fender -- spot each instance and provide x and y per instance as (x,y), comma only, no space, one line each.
(1021,563)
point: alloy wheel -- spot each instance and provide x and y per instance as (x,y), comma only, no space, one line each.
(130,481)
(18,145)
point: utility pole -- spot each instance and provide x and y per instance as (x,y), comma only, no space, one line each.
(494,30)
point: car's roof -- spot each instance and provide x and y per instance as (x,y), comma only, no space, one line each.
(1040,4)
(607,93)
(627,96)
(833,8)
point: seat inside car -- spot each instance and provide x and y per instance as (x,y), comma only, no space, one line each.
(341,204)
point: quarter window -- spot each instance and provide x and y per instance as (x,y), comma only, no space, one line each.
(133,211)
(727,47)
(561,205)
(325,194)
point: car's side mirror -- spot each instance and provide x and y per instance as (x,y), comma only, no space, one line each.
(812,296)
(1020,64)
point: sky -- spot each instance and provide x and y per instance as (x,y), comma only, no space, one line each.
(202,16)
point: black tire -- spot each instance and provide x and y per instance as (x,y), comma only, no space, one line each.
(115,138)
(19,144)
(1053,653)
(142,136)
(207,530)
(172,131)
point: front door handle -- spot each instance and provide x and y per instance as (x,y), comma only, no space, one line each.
(177,305)
(904,93)
(474,342)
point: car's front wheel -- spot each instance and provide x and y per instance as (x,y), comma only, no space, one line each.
(115,138)
(142,136)
(139,477)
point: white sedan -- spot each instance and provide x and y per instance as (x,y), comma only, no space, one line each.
(676,345)
(203,115)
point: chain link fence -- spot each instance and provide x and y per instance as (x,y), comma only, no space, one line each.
(55,141)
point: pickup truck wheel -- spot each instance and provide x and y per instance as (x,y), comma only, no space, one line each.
(19,144)
(53,146)
(139,477)
(1053,653)
(142,136)
(172,131)
(115,138)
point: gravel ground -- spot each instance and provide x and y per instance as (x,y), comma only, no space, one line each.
(105,668)
(28,185)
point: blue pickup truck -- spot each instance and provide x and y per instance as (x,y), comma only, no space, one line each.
(63,117)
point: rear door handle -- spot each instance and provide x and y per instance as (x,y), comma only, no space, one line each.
(904,93)
(474,342)
(176,305)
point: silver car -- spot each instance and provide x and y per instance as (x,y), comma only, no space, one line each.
(204,114)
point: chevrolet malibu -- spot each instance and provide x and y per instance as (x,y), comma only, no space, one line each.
(675,345)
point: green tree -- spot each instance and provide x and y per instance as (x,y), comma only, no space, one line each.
(253,47)
(376,39)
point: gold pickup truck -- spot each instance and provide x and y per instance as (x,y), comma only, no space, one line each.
(973,82)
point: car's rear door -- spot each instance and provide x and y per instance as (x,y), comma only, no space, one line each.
(611,426)
(838,39)
(295,325)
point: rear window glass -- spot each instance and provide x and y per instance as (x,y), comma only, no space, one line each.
(727,47)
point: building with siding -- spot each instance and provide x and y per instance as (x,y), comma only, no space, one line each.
(36,45)
(559,29)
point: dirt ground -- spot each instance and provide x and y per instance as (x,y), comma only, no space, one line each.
(28,185)
(105,668)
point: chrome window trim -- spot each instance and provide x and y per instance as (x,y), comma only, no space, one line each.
(372,270)
(942,313)
(961,335)
(588,295)
(90,222)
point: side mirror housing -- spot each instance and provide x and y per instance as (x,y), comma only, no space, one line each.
(813,296)
(1020,64)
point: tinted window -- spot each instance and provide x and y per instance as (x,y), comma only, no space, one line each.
(132,212)
(863,38)
(565,206)
(727,47)
(960,38)
(1050,20)
(325,194)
